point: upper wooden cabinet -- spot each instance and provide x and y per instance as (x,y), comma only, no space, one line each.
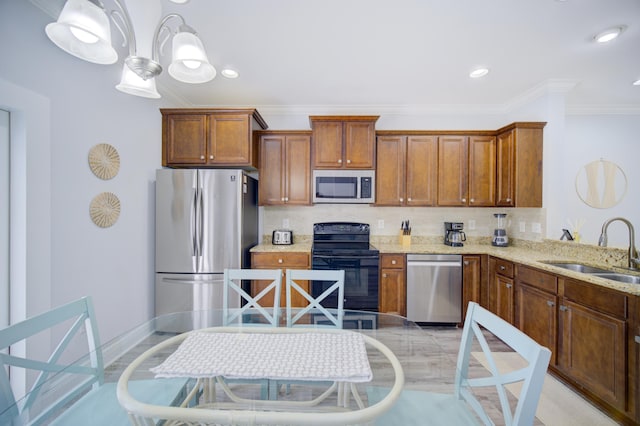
(285,177)
(407,170)
(343,142)
(519,165)
(210,137)
(466,170)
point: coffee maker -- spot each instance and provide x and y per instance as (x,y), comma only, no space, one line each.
(453,234)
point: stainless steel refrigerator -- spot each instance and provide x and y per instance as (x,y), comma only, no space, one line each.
(206,221)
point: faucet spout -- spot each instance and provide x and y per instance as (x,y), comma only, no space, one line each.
(633,261)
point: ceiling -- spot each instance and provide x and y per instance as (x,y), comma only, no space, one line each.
(409,53)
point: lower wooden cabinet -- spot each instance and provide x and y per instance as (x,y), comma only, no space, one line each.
(473,282)
(501,291)
(592,345)
(288,260)
(393,288)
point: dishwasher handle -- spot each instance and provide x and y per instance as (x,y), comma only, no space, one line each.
(432,263)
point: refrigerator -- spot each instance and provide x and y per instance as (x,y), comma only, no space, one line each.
(206,221)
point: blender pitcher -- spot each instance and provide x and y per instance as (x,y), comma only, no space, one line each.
(500,238)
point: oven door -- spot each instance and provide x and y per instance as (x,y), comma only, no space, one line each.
(360,280)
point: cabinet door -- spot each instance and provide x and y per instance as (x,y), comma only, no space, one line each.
(471,281)
(229,139)
(536,316)
(359,145)
(272,161)
(327,144)
(421,170)
(482,171)
(280,261)
(501,297)
(390,171)
(505,169)
(184,139)
(592,351)
(452,170)
(393,291)
(298,174)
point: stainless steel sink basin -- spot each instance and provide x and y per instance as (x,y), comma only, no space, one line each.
(578,267)
(616,276)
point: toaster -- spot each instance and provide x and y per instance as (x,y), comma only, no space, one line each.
(282,237)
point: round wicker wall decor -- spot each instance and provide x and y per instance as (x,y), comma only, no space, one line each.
(104,161)
(105,209)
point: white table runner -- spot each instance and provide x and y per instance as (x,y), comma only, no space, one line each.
(313,356)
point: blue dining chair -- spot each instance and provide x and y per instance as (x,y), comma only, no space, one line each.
(80,395)
(315,314)
(252,312)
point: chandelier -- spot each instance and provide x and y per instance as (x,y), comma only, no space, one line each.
(83,30)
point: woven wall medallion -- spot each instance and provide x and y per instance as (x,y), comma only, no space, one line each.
(104,161)
(105,209)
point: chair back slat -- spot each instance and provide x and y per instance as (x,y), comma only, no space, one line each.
(532,375)
(253,304)
(335,278)
(81,313)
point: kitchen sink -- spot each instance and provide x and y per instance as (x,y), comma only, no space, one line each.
(616,276)
(578,267)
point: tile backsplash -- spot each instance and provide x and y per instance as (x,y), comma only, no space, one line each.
(522,223)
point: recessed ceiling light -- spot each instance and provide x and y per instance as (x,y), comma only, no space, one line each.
(479,72)
(637,82)
(229,73)
(609,34)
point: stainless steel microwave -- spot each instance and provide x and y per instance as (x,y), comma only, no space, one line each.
(344,186)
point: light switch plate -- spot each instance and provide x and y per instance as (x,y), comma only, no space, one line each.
(472,224)
(285,223)
(380,224)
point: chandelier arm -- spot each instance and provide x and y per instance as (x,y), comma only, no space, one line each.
(161,25)
(126,26)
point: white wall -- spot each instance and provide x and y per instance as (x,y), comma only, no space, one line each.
(113,265)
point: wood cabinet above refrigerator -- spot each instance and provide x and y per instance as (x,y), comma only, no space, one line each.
(210,137)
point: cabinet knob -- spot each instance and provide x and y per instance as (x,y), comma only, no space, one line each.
(348,161)
(466,263)
(464,200)
(509,285)
(393,262)
(286,199)
(340,161)
(279,260)
(401,199)
(409,199)
(384,275)
(211,157)
(472,200)
(202,157)
(550,303)
(563,308)
(508,200)
(282,199)
(502,267)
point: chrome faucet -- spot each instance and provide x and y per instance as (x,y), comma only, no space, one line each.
(634,261)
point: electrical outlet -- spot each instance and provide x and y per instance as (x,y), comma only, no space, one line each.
(472,224)
(380,223)
(523,226)
(285,223)
(536,228)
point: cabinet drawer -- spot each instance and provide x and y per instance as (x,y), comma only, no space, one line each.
(539,279)
(504,268)
(280,260)
(597,298)
(392,261)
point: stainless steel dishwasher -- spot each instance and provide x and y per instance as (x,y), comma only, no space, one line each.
(434,288)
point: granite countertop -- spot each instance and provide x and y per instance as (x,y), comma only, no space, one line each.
(530,254)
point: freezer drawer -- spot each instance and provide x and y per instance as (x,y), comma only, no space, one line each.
(190,292)
(434,288)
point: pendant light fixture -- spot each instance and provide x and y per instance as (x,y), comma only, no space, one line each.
(83,30)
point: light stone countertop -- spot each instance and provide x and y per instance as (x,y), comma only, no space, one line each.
(530,254)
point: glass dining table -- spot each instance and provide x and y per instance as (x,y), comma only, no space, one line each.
(400,355)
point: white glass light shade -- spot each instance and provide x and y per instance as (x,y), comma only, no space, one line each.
(133,84)
(190,63)
(83,30)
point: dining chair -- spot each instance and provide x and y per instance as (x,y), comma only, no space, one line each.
(315,314)
(80,395)
(251,310)
(464,407)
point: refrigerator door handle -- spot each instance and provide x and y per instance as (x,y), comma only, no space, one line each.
(194,223)
(200,227)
